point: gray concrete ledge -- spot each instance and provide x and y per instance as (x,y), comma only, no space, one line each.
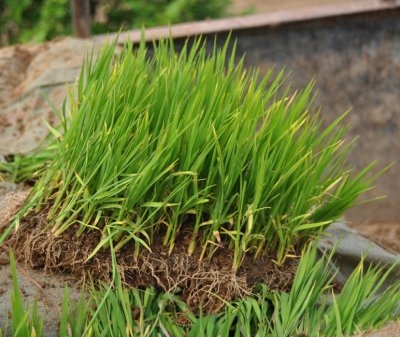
(255,21)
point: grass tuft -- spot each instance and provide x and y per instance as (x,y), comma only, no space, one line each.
(152,143)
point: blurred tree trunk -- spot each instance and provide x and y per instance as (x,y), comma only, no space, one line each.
(81,17)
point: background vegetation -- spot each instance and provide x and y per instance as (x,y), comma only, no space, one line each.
(38,20)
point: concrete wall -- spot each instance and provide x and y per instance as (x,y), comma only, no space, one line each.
(356,62)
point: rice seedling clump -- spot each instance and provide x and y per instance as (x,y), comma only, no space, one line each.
(151,145)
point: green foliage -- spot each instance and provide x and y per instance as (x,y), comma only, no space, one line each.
(34,20)
(150,144)
(314,309)
(39,20)
(74,316)
(134,14)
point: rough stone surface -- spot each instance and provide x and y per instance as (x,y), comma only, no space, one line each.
(47,288)
(350,247)
(29,74)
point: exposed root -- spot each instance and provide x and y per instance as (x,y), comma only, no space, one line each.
(206,284)
(202,284)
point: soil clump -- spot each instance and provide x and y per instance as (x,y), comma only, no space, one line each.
(207,283)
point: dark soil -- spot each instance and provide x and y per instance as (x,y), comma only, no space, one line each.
(208,284)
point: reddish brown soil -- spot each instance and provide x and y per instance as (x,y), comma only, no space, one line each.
(208,283)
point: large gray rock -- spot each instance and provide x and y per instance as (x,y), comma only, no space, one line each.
(350,247)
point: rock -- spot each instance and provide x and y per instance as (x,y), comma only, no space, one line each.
(351,246)
(28,73)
